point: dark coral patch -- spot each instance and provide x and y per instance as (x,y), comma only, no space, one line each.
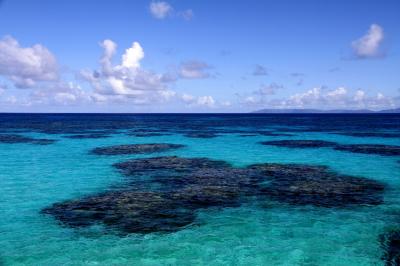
(316,185)
(300,143)
(248,135)
(149,134)
(201,135)
(128,211)
(213,187)
(87,136)
(177,164)
(191,188)
(12,139)
(180,186)
(390,243)
(385,150)
(135,148)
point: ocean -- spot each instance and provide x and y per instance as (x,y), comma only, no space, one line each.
(208,189)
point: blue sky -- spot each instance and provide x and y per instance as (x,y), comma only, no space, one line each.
(198,56)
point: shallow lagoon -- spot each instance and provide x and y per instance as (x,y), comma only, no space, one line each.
(33,177)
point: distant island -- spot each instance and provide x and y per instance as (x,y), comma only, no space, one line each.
(319,111)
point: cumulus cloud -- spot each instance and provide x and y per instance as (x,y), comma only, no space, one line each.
(206,101)
(132,56)
(369,45)
(187,98)
(25,66)
(194,70)
(113,82)
(340,97)
(160,10)
(126,81)
(259,70)
(322,98)
(60,93)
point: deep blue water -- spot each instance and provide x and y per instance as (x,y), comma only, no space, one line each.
(257,230)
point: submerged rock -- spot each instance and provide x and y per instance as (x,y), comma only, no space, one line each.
(43,141)
(127,211)
(316,185)
(151,211)
(87,136)
(197,196)
(174,163)
(12,139)
(149,134)
(222,181)
(248,135)
(136,148)
(390,243)
(201,135)
(180,186)
(385,150)
(300,143)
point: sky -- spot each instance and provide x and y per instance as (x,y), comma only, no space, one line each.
(198,56)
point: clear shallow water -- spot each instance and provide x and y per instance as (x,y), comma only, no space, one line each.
(33,177)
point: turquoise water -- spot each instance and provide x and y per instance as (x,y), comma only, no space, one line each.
(33,177)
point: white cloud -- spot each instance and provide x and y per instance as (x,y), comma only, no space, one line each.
(305,98)
(187,98)
(167,94)
(109,50)
(132,56)
(340,98)
(323,98)
(25,66)
(59,93)
(337,94)
(368,45)
(64,97)
(160,10)
(226,103)
(251,100)
(126,81)
(206,101)
(11,99)
(194,70)
(359,96)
